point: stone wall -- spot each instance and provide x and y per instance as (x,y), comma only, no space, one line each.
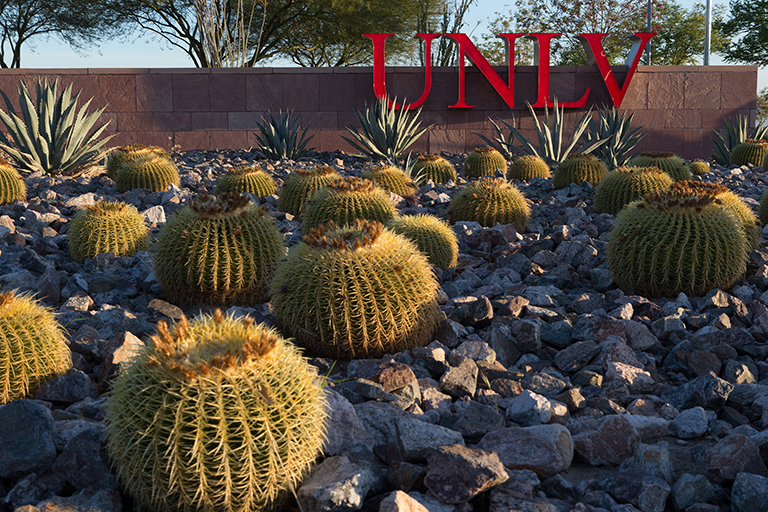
(679,106)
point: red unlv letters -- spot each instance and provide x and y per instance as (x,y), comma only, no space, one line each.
(592,44)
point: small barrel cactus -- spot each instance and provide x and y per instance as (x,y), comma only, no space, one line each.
(216,414)
(433,167)
(122,154)
(358,291)
(12,185)
(626,184)
(33,347)
(577,168)
(484,161)
(300,186)
(344,200)
(698,167)
(527,167)
(246,179)
(751,151)
(682,240)
(392,179)
(667,162)
(488,201)
(217,251)
(107,227)
(431,235)
(151,171)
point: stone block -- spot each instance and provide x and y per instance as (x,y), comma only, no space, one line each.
(364,89)
(209,120)
(445,90)
(122,138)
(666,91)
(337,92)
(244,120)
(739,90)
(674,119)
(119,91)
(665,140)
(135,121)
(191,93)
(164,139)
(301,92)
(229,139)
(264,92)
(154,93)
(565,86)
(331,140)
(636,97)
(89,85)
(697,143)
(173,121)
(192,140)
(319,120)
(228,93)
(702,90)
(452,141)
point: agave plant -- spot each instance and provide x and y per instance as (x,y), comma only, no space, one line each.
(550,140)
(386,132)
(280,138)
(51,135)
(614,128)
(735,134)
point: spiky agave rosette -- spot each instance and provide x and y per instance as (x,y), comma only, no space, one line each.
(527,167)
(151,171)
(107,226)
(488,201)
(626,184)
(578,168)
(484,161)
(12,185)
(392,179)
(301,185)
(433,236)
(433,167)
(684,240)
(246,179)
(33,347)
(751,151)
(122,154)
(344,200)
(668,162)
(217,251)
(216,414)
(355,292)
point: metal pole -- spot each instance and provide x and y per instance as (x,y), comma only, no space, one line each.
(648,45)
(707,32)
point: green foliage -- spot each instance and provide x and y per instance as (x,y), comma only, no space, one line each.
(674,241)
(527,167)
(626,184)
(735,134)
(488,201)
(392,179)
(431,235)
(300,186)
(12,185)
(748,25)
(246,179)
(386,131)
(698,167)
(33,347)
(484,161)
(344,200)
(359,291)
(153,172)
(433,167)
(614,127)
(578,168)
(751,151)
(763,211)
(215,414)
(122,154)
(217,251)
(282,137)
(667,162)
(51,135)
(761,116)
(107,227)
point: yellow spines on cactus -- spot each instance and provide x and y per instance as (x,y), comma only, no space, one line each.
(626,184)
(527,167)
(751,151)
(33,347)
(392,179)
(666,161)
(433,236)
(344,200)
(355,292)
(246,179)
(484,161)
(151,171)
(216,414)
(217,251)
(107,227)
(577,168)
(433,167)
(12,185)
(122,154)
(300,186)
(682,240)
(488,201)
(698,167)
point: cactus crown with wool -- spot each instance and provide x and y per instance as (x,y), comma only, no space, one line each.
(217,250)
(358,291)
(578,168)
(300,186)
(433,236)
(666,161)
(150,171)
(392,179)
(246,179)
(344,200)
(751,151)
(682,240)
(488,201)
(433,167)
(698,167)
(626,184)
(108,226)
(527,167)
(122,154)
(214,414)
(33,347)
(12,185)
(484,161)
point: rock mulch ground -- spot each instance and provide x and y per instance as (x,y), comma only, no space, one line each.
(546,388)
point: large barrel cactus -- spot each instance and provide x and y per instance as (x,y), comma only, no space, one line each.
(246,179)
(108,226)
(33,347)
(216,414)
(151,171)
(668,162)
(433,167)
(751,151)
(527,167)
(488,201)
(344,200)
(122,154)
(626,184)
(683,240)
(577,168)
(358,291)
(217,251)
(12,185)
(300,186)
(392,179)
(484,161)
(431,235)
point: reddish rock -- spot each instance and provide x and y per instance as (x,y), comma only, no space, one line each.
(733,455)
(399,501)
(610,443)
(456,474)
(544,449)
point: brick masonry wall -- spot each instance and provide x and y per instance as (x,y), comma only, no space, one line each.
(679,106)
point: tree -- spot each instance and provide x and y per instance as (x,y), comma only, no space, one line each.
(748,22)
(762,107)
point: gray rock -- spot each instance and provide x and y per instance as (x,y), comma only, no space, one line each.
(69,388)
(690,489)
(343,428)
(544,384)
(22,280)
(529,408)
(456,474)
(749,492)
(379,420)
(26,438)
(84,463)
(398,501)
(648,459)
(472,349)
(335,485)
(527,334)
(576,355)
(612,441)
(690,423)
(154,215)
(544,449)
(732,455)
(27,491)
(418,440)
(477,419)
(460,380)
(646,493)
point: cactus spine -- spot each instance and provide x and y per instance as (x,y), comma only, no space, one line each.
(751,151)
(577,168)
(246,179)
(12,185)
(392,179)
(488,201)
(698,167)
(431,235)
(667,162)
(123,154)
(300,186)
(484,161)
(433,167)
(527,167)
(626,184)
(344,200)
(216,414)
(107,227)
(151,171)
